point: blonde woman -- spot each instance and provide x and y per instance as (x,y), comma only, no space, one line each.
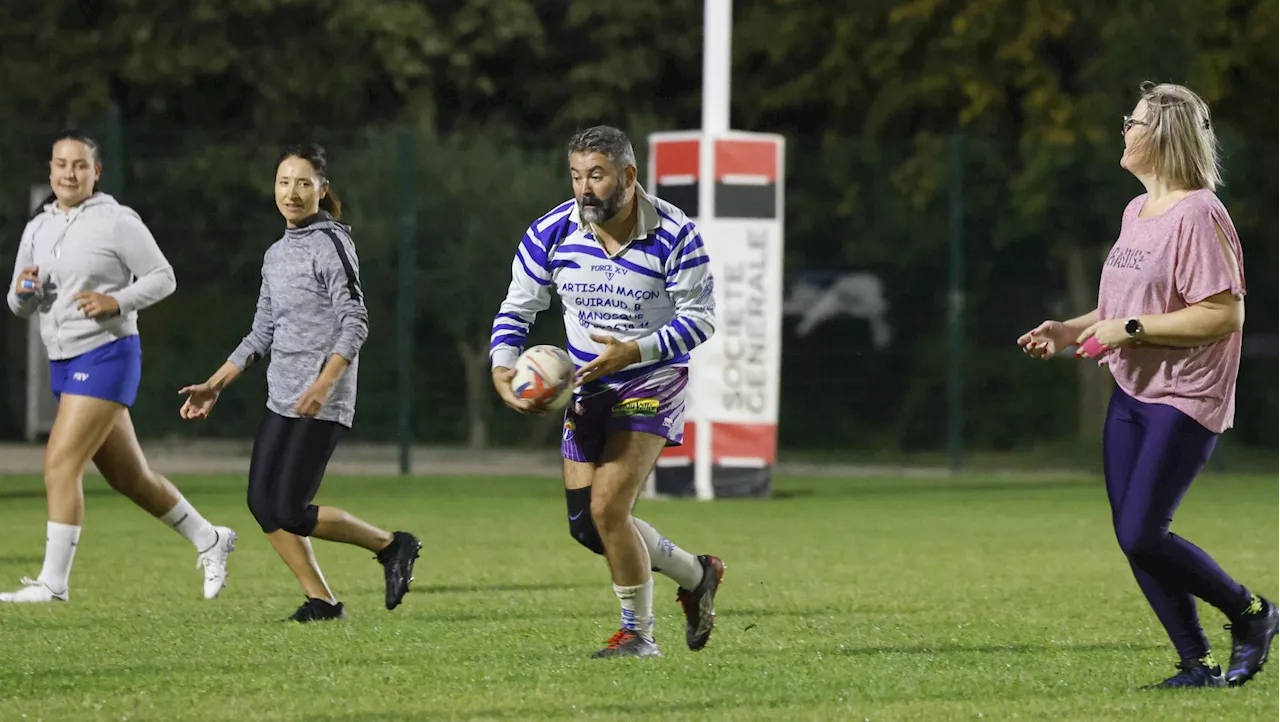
(1170,311)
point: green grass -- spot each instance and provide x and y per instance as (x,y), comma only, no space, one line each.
(877,599)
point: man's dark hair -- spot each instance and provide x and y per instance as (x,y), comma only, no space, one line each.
(607,141)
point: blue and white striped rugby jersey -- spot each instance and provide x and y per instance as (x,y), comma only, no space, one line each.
(657,290)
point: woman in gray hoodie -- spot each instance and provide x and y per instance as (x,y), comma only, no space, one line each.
(86,265)
(312,319)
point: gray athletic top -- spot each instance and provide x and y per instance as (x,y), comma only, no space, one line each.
(310,306)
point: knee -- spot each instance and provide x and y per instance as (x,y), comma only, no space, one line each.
(299,522)
(583,530)
(1140,541)
(609,513)
(260,508)
(58,477)
(62,468)
(581,526)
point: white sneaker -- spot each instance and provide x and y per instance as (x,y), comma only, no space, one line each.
(34,591)
(214,562)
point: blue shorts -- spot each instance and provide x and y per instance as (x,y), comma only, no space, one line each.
(111,372)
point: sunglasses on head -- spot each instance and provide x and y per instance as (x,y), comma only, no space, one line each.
(1128,123)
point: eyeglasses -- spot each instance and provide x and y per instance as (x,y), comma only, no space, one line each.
(1129,122)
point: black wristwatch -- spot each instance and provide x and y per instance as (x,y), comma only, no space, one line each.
(1133,327)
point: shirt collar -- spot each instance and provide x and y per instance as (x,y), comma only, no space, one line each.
(317,217)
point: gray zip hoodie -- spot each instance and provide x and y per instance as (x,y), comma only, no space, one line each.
(99,246)
(310,307)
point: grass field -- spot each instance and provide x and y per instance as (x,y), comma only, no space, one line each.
(876,599)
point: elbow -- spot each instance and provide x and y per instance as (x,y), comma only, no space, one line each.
(168,282)
(1228,318)
(354,333)
(1234,321)
(358,328)
(708,327)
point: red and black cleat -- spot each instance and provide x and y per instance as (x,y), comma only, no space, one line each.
(626,643)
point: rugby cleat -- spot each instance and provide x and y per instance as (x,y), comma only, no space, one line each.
(1251,638)
(317,610)
(34,591)
(700,604)
(627,643)
(1203,672)
(397,561)
(214,562)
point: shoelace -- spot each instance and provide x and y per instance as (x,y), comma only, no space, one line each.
(1239,645)
(210,565)
(618,639)
(29,582)
(206,558)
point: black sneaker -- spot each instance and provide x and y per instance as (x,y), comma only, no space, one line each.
(397,562)
(700,604)
(1251,637)
(626,643)
(1203,672)
(318,610)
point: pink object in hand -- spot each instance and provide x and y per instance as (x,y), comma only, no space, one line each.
(1091,348)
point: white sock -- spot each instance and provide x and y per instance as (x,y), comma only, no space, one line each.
(59,549)
(637,607)
(187,521)
(669,559)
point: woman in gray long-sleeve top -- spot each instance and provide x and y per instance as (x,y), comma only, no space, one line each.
(312,320)
(86,266)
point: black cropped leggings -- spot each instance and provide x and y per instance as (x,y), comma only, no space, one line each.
(285,471)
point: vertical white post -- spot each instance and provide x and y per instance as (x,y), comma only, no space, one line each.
(717,33)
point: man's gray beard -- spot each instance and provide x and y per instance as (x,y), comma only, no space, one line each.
(594,214)
(608,208)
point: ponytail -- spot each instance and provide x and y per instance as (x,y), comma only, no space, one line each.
(331,203)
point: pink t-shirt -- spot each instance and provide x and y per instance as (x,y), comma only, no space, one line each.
(1164,264)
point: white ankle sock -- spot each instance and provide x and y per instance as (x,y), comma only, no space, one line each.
(59,549)
(669,559)
(637,607)
(187,521)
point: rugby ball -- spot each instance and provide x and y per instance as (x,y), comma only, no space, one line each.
(544,374)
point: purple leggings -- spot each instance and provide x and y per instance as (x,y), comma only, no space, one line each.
(1151,454)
